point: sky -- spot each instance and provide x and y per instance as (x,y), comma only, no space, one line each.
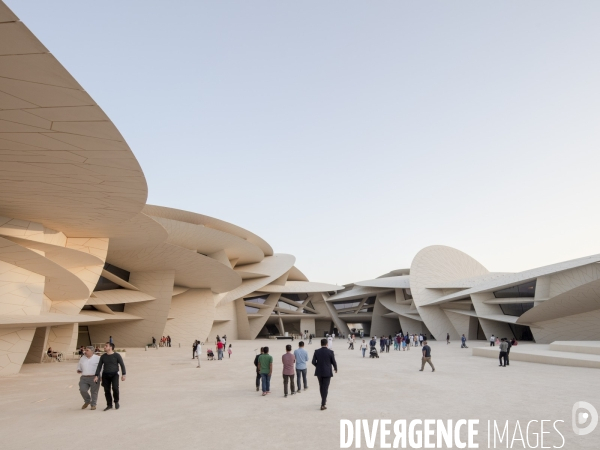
(353,134)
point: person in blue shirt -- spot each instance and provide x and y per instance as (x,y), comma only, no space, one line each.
(463,339)
(301,356)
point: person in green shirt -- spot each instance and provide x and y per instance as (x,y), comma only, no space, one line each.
(265,366)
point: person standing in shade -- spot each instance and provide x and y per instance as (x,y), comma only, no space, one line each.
(288,359)
(493,341)
(323,360)
(265,364)
(503,352)
(257,369)
(463,340)
(301,356)
(110,361)
(426,357)
(87,368)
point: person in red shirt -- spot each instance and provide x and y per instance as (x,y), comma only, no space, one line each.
(220,348)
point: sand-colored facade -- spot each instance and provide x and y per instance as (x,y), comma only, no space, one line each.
(82,257)
(446,291)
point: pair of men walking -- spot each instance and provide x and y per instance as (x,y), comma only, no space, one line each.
(299,358)
(90,367)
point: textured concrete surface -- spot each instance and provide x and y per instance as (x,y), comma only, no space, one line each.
(167,403)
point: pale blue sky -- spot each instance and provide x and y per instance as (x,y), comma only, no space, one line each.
(351,133)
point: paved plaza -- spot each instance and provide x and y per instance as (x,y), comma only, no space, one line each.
(167,403)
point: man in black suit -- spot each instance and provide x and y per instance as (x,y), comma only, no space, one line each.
(323,359)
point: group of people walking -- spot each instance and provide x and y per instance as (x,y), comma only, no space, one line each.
(295,365)
(164,341)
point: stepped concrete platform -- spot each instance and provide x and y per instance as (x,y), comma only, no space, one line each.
(560,353)
(589,347)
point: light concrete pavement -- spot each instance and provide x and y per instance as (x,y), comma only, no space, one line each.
(168,403)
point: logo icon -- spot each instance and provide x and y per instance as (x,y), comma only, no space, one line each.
(578,418)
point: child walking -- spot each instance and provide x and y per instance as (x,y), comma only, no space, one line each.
(229,350)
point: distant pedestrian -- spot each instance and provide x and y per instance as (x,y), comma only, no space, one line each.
(111,362)
(229,351)
(509,343)
(310,336)
(463,340)
(363,347)
(169,341)
(448,338)
(220,347)
(194,348)
(288,359)
(198,351)
(330,342)
(502,357)
(323,360)
(87,366)
(301,356)
(257,369)
(110,340)
(426,357)
(265,364)
(492,341)
(153,342)
(421,340)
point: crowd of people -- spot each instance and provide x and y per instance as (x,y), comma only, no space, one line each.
(96,369)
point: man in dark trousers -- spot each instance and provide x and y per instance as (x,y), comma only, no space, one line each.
(323,359)
(110,376)
(257,369)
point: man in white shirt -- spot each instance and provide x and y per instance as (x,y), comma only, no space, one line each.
(330,342)
(87,366)
(198,352)
(493,341)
